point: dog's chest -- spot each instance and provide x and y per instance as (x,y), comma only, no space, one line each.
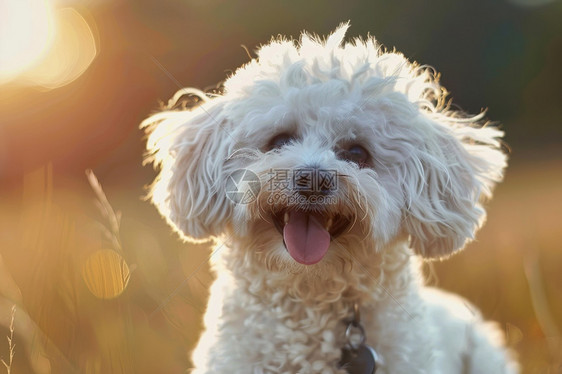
(281,338)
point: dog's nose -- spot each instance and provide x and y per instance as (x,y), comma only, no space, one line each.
(313,181)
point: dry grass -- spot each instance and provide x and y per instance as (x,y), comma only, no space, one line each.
(11,344)
(109,318)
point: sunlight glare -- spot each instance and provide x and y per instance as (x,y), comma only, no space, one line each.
(72,51)
(26,33)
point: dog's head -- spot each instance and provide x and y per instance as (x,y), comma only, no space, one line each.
(318,144)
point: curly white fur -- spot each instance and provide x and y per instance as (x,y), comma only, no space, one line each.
(417,197)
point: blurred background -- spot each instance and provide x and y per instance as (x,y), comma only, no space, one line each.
(101,284)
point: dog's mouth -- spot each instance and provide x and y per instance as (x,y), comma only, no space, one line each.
(307,235)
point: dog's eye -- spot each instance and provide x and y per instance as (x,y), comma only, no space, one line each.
(280,140)
(357,154)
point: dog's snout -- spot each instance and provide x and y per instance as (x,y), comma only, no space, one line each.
(313,181)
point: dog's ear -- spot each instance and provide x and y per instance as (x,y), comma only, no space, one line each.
(454,169)
(189,147)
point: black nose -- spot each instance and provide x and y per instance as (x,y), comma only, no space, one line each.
(313,181)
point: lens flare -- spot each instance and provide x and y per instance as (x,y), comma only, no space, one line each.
(26,33)
(72,51)
(106,274)
(43,46)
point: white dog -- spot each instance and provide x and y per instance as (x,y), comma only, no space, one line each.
(326,171)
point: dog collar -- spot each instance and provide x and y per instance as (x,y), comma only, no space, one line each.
(357,357)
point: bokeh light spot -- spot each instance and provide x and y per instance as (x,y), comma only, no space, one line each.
(106,274)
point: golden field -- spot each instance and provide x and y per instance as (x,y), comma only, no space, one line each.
(105,286)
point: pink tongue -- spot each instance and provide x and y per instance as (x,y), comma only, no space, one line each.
(306,240)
